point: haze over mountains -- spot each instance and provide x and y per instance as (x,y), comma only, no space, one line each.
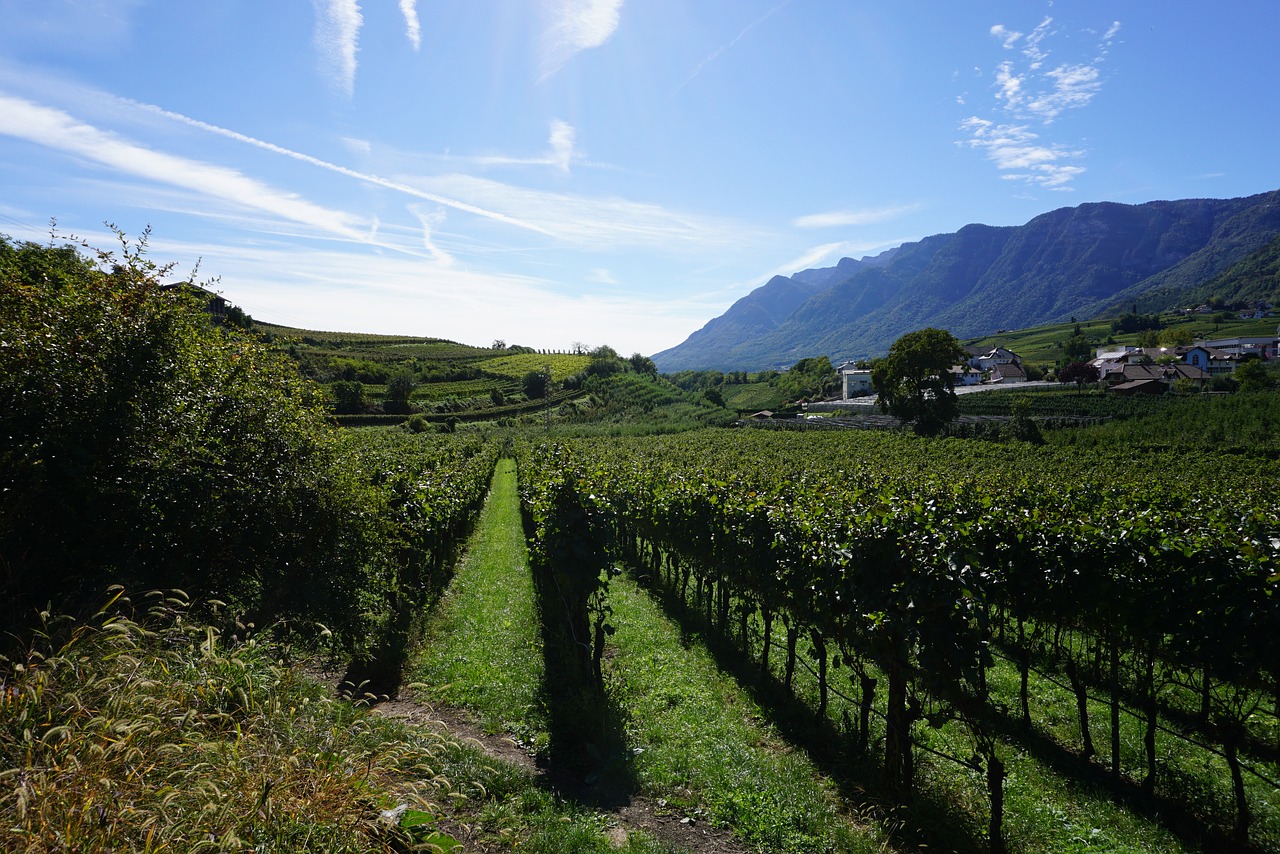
(1091,260)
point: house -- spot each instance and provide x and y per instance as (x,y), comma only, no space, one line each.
(1136,387)
(1262,347)
(1211,360)
(1010,372)
(962,375)
(1114,375)
(989,359)
(855,382)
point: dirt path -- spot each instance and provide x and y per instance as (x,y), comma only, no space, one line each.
(640,813)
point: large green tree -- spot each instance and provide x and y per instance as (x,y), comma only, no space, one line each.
(914,381)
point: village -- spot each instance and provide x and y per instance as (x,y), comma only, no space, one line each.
(1116,368)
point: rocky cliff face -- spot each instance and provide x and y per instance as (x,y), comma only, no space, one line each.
(1080,261)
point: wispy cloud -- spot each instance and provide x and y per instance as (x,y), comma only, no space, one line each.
(601,276)
(413,28)
(58,130)
(337,40)
(366,177)
(561,152)
(432,220)
(715,54)
(831,219)
(597,223)
(574,26)
(282,282)
(1030,95)
(1021,153)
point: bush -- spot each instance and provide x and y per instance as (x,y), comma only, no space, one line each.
(144,445)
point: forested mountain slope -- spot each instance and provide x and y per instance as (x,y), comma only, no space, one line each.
(1081,261)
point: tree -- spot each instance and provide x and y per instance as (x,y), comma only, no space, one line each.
(348,397)
(914,381)
(1254,376)
(399,390)
(535,384)
(1176,336)
(1077,347)
(642,364)
(1078,373)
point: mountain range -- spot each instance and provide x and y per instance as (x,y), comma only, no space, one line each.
(1092,260)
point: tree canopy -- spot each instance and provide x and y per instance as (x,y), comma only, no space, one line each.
(914,381)
(1078,373)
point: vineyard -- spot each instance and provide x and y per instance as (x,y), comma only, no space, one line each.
(956,614)
(980,644)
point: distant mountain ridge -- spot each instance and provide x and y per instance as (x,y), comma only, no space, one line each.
(1085,261)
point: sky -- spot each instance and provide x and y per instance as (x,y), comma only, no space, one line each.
(554,173)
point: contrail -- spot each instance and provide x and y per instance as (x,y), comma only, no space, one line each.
(342,170)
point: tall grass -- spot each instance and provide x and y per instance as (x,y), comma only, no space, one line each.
(141,730)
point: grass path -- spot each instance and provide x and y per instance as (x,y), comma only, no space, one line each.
(483,649)
(698,746)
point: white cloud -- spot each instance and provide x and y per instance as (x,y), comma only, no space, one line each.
(1018,150)
(594,223)
(1032,51)
(574,26)
(341,170)
(1074,86)
(431,221)
(1007,37)
(413,28)
(57,130)
(562,139)
(397,294)
(1008,86)
(1026,94)
(832,219)
(357,146)
(601,276)
(561,153)
(337,35)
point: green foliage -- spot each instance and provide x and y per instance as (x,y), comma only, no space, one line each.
(914,381)
(1133,322)
(399,391)
(1079,373)
(918,564)
(348,397)
(143,443)
(811,378)
(563,365)
(535,384)
(1254,376)
(138,729)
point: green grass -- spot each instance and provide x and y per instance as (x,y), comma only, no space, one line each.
(562,364)
(142,730)
(483,650)
(704,746)
(752,397)
(699,744)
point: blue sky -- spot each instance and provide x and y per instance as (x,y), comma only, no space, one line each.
(552,172)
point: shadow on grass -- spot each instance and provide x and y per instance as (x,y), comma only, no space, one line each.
(1187,817)
(588,760)
(927,821)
